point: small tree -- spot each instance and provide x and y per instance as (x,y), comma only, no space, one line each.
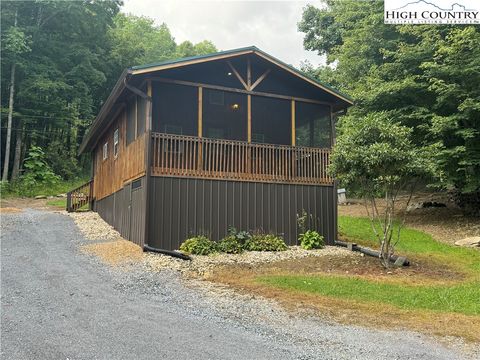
(37,172)
(375,157)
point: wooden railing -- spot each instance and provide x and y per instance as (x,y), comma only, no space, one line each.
(189,156)
(79,197)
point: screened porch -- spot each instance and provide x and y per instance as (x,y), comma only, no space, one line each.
(221,133)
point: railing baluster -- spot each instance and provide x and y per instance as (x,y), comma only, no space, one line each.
(191,156)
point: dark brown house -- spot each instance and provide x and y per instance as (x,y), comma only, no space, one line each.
(235,138)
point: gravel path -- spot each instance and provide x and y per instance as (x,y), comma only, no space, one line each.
(58,303)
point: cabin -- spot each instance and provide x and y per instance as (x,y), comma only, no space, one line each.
(197,145)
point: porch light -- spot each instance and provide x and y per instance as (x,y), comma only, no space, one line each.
(235,106)
(229,74)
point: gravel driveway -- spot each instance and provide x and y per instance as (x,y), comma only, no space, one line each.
(58,303)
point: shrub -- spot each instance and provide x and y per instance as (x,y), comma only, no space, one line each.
(241,236)
(198,245)
(265,242)
(230,245)
(311,239)
(37,174)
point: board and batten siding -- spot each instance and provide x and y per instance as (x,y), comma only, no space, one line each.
(182,207)
(112,174)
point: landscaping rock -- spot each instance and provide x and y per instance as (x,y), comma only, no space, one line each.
(469,242)
(425,204)
(40,197)
(62,195)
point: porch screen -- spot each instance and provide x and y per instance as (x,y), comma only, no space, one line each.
(175,109)
(271,120)
(312,125)
(224,115)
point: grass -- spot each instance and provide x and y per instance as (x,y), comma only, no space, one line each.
(460,296)
(60,203)
(62,187)
(415,244)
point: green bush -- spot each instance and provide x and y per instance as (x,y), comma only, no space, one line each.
(241,236)
(199,245)
(311,240)
(265,242)
(230,245)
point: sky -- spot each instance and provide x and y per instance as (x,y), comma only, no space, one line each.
(269,25)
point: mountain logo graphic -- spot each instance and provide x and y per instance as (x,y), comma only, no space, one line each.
(452,8)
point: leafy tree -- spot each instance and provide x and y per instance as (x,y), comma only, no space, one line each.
(453,75)
(376,157)
(38,172)
(422,77)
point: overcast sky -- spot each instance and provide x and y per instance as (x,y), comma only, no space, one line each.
(269,25)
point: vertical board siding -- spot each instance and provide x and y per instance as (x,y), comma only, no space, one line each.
(125,211)
(111,174)
(182,207)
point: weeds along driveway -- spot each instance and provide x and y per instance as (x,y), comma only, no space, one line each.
(58,303)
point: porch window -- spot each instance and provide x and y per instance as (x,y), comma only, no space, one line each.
(224,115)
(141,115)
(271,120)
(175,109)
(312,125)
(131,120)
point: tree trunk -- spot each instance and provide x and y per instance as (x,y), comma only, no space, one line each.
(18,151)
(10,116)
(9,125)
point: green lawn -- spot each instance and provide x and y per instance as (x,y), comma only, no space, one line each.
(61,187)
(413,243)
(460,297)
(60,203)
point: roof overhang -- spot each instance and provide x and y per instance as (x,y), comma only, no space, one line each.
(101,121)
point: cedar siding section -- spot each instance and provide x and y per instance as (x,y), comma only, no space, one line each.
(112,174)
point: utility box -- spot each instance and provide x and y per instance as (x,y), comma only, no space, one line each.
(342,196)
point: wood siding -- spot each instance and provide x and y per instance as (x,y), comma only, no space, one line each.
(112,174)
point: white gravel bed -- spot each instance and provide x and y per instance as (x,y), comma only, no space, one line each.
(93,227)
(202,265)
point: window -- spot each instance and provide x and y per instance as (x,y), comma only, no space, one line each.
(271,120)
(115,143)
(312,125)
(141,115)
(131,120)
(136,184)
(105,151)
(227,121)
(175,109)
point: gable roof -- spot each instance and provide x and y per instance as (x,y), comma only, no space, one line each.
(120,85)
(169,64)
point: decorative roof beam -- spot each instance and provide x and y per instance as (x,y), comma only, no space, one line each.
(237,75)
(260,79)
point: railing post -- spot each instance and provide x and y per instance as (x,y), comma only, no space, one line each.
(90,196)
(69,201)
(294,151)
(200,129)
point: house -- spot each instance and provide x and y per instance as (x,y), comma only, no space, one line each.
(196,145)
